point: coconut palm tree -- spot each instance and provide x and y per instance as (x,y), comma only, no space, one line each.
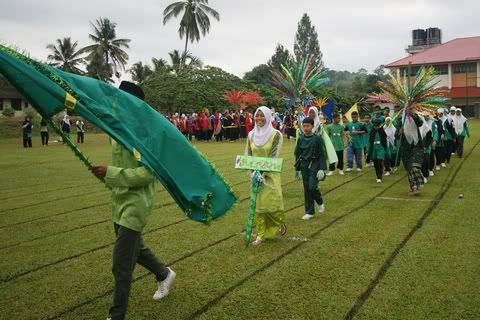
(178,61)
(195,18)
(107,45)
(160,64)
(65,55)
(140,72)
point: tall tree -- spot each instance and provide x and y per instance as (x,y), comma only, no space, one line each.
(194,21)
(306,41)
(98,69)
(281,56)
(65,55)
(140,72)
(160,64)
(260,74)
(107,45)
(180,61)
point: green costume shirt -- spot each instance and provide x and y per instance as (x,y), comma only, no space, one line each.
(309,153)
(366,136)
(357,139)
(133,189)
(335,131)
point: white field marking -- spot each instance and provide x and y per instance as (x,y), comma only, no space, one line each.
(405,199)
(302,239)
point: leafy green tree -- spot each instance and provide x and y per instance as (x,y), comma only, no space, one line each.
(281,56)
(107,46)
(306,41)
(260,74)
(65,56)
(190,90)
(195,19)
(96,68)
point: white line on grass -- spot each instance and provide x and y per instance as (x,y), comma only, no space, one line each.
(404,199)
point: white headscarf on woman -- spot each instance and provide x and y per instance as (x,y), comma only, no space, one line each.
(260,135)
(390,130)
(458,121)
(426,126)
(316,119)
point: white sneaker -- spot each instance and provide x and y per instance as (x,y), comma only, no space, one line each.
(329,173)
(379,180)
(425,180)
(321,208)
(444,165)
(307,216)
(164,286)
(437,168)
(387,173)
(340,172)
(349,169)
(359,170)
(258,240)
(431,174)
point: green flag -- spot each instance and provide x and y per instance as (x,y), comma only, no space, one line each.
(190,179)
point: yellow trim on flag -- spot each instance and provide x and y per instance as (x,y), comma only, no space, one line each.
(70,101)
(137,154)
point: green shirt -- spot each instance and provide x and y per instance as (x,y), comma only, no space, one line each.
(357,139)
(310,152)
(335,132)
(133,189)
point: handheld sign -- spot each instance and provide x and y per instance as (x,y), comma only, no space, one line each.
(257,165)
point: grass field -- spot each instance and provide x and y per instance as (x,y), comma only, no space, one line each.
(375,254)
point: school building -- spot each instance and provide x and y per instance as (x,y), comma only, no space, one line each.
(458,64)
(11,98)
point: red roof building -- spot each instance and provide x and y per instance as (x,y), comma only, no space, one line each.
(458,64)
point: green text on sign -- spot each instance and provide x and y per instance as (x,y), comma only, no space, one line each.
(259,163)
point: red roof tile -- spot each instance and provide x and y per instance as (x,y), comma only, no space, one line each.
(456,50)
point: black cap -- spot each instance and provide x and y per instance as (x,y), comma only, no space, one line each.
(133,89)
(309,120)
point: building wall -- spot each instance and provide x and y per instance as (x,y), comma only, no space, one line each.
(464,79)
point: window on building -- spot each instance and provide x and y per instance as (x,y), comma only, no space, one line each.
(17,104)
(441,68)
(465,67)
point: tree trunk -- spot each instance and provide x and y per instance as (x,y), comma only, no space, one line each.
(185,52)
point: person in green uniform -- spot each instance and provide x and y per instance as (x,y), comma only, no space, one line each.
(265,141)
(133,189)
(336,133)
(449,138)
(378,147)
(310,160)
(367,121)
(412,150)
(356,131)
(461,130)
(439,140)
(426,133)
(390,130)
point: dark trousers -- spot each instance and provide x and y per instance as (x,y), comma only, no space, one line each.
(129,250)
(354,153)
(291,132)
(80,137)
(459,145)
(439,155)
(219,137)
(448,150)
(378,164)
(27,142)
(310,188)
(425,165)
(367,156)
(339,164)
(45,137)
(431,161)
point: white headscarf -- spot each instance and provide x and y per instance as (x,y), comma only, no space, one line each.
(260,135)
(316,119)
(426,126)
(410,128)
(390,131)
(458,121)
(66,119)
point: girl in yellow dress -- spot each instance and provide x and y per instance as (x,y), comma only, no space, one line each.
(265,141)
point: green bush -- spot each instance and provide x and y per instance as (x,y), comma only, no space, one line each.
(8,112)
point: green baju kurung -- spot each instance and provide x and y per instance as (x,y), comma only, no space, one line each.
(269,212)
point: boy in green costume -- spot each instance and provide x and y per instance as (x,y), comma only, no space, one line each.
(311,162)
(336,133)
(133,189)
(356,131)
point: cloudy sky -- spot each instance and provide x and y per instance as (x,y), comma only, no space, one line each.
(353,34)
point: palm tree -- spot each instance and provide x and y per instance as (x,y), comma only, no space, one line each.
(65,55)
(184,60)
(107,45)
(195,18)
(160,64)
(97,68)
(140,72)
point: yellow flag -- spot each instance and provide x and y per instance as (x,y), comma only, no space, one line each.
(348,114)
